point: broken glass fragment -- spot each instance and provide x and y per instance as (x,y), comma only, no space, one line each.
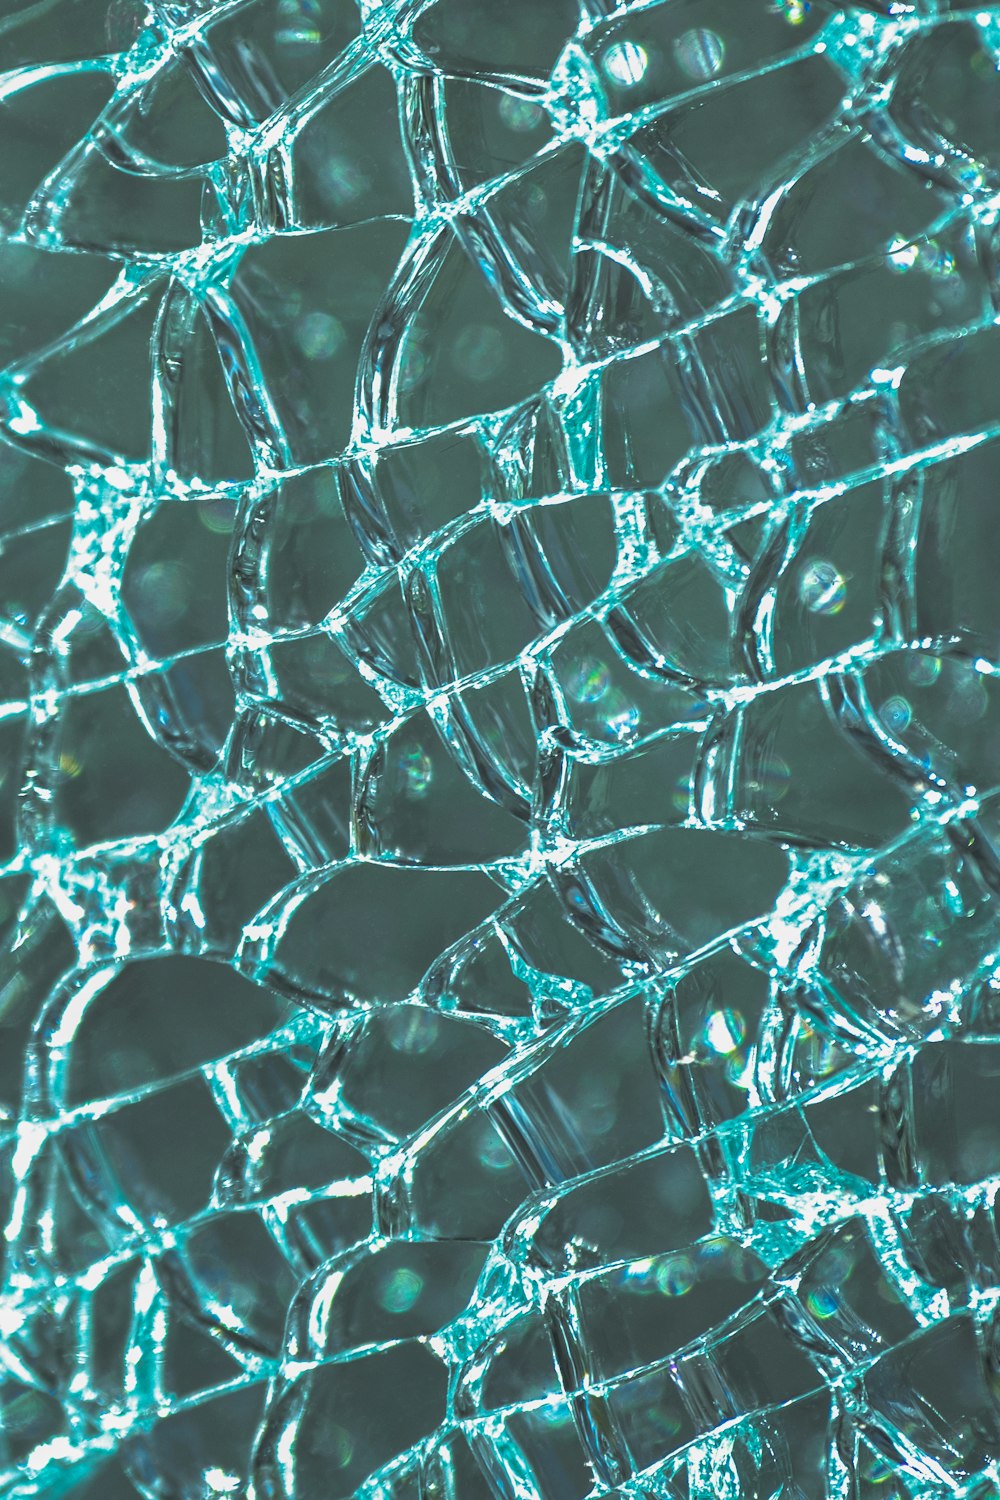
(500,793)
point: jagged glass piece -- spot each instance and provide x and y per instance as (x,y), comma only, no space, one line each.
(499,814)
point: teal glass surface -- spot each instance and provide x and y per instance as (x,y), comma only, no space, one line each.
(499,752)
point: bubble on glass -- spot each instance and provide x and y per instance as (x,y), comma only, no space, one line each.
(982,64)
(967,698)
(282,304)
(738,1069)
(416,361)
(879,1469)
(771,778)
(221,1482)
(621,717)
(724,1031)
(589,682)
(819,1055)
(675,1276)
(298,23)
(125,20)
(338,1444)
(401,1291)
(922,670)
(164,592)
(902,254)
(418,772)
(12,463)
(822,589)
(822,1302)
(91,621)
(536,201)
(598,1108)
(680,798)
(319,335)
(895,714)
(978,1153)
(796,11)
(700,53)
(478,352)
(935,260)
(343,179)
(218,516)
(625,63)
(494,1154)
(520,115)
(412,1030)
(951,292)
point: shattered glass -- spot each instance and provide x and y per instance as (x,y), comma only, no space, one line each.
(500,760)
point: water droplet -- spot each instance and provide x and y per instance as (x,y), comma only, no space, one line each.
(821,589)
(625,63)
(520,114)
(418,772)
(724,1031)
(401,1291)
(319,336)
(589,682)
(895,714)
(699,53)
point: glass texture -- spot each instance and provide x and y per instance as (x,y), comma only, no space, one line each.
(499,752)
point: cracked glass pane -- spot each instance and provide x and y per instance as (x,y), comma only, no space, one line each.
(500,796)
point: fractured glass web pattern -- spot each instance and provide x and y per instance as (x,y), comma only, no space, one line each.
(499,651)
